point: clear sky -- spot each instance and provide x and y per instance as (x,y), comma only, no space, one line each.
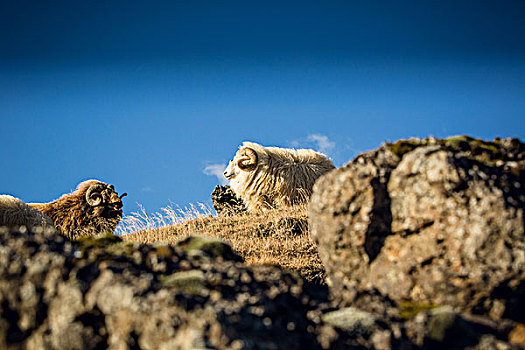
(155,96)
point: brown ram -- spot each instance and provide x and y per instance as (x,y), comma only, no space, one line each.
(94,207)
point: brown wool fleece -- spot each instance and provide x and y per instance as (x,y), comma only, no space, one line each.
(74,217)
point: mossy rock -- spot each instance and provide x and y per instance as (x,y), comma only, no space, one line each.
(486,152)
(101,240)
(351,320)
(210,247)
(402,147)
(192,281)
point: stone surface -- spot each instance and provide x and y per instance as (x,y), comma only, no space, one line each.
(105,293)
(427,221)
(100,293)
(351,320)
(444,328)
(225,202)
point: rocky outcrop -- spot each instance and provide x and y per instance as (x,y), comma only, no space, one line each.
(105,293)
(432,222)
(225,202)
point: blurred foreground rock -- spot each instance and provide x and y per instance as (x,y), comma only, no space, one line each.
(225,202)
(105,293)
(431,222)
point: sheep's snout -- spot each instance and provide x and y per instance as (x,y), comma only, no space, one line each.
(229,172)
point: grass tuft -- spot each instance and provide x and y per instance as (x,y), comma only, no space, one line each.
(141,221)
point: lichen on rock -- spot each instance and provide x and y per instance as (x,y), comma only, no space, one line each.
(428,221)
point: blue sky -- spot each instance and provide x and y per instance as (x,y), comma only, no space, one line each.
(155,97)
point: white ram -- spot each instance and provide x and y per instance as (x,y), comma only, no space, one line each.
(273,177)
(15,212)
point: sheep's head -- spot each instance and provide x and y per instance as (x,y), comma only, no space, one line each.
(99,194)
(242,167)
(94,207)
(245,159)
(102,198)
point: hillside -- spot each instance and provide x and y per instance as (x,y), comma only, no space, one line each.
(277,237)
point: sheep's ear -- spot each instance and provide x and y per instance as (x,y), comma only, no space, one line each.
(94,195)
(247,159)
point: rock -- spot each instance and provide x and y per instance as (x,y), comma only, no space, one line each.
(427,221)
(211,247)
(444,328)
(517,335)
(90,294)
(351,320)
(441,323)
(226,203)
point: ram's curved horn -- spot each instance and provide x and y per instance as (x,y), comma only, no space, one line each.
(247,159)
(94,195)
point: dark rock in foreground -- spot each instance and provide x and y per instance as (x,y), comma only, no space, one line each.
(104,293)
(98,293)
(427,221)
(225,202)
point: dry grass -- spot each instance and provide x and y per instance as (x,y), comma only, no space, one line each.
(275,237)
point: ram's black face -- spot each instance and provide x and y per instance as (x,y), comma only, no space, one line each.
(104,200)
(114,202)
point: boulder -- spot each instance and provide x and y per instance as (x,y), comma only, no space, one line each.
(427,221)
(105,293)
(225,202)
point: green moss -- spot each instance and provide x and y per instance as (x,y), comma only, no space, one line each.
(101,240)
(401,147)
(476,146)
(192,282)
(124,249)
(490,147)
(410,309)
(486,152)
(209,246)
(458,143)
(441,324)
(106,245)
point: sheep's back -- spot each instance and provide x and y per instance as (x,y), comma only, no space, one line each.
(15,212)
